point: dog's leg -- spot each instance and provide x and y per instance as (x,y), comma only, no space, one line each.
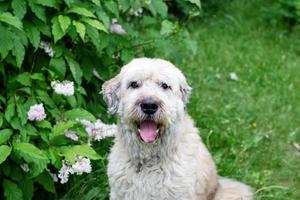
(233,190)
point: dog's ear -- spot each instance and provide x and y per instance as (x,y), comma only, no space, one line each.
(110,91)
(185,91)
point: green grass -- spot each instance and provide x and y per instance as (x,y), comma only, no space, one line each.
(249,125)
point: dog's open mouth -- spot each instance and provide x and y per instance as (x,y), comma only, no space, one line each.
(148,131)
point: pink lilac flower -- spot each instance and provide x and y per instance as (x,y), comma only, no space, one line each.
(47,48)
(71,134)
(36,113)
(136,13)
(25,167)
(82,165)
(65,88)
(64,172)
(102,130)
(116,28)
(98,130)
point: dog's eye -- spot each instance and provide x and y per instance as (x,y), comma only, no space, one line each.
(165,86)
(134,84)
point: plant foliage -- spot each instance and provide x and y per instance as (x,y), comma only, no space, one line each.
(289,10)
(85,43)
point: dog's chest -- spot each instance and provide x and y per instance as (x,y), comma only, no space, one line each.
(149,182)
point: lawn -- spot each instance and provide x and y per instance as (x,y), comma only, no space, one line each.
(250,120)
(251,124)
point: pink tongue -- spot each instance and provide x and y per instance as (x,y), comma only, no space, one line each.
(148,131)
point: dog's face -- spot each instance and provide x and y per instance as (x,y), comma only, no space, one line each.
(149,96)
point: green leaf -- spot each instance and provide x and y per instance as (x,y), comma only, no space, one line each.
(136,4)
(36,158)
(5,135)
(86,151)
(30,130)
(69,2)
(16,123)
(81,11)
(38,10)
(79,113)
(30,152)
(59,66)
(72,101)
(72,33)
(54,157)
(18,51)
(4,152)
(27,188)
(96,2)
(94,36)
(5,41)
(59,129)
(70,153)
(37,167)
(57,32)
(19,8)
(124,5)
(38,76)
(158,6)
(95,23)
(48,3)
(10,110)
(127,55)
(2,99)
(45,98)
(44,134)
(75,69)
(11,20)
(104,17)
(167,27)
(12,191)
(64,22)
(16,173)
(81,133)
(88,67)
(42,27)
(196,2)
(80,28)
(26,90)
(33,34)
(46,181)
(44,124)
(1,120)
(112,7)
(24,79)
(22,110)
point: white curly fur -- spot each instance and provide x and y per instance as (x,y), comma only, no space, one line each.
(177,165)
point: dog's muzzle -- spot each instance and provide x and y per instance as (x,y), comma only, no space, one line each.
(149,106)
(148,128)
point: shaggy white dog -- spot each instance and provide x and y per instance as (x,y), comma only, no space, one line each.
(158,153)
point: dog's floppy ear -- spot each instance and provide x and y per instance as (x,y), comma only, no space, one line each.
(110,91)
(185,91)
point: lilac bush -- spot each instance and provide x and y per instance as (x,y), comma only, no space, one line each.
(55,55)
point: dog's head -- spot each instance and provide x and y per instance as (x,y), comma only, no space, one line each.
(149,96)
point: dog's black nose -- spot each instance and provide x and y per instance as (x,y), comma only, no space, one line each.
(149,106)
